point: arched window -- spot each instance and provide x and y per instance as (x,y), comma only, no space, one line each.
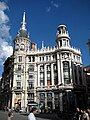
(22,47)
(17,47)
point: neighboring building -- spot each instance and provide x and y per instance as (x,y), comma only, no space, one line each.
(7,83)
(50,77)
(87,73)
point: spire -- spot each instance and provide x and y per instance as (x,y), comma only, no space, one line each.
(23,23)
(23,32)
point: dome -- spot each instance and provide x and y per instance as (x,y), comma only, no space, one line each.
(62,32)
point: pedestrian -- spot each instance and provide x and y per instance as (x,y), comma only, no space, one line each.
(77,114)
(85,115)
(10,115)
(88,111)
(31,116)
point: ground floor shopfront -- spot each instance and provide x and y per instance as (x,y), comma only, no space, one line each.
(62,100)
(46,99)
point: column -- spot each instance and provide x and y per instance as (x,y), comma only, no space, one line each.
(13,99)
(62,77)
(25,105)
(38,100)
(70,65)
(45,100)
(58,68)
(52,74)
(38,75)
(31,59)
(35,77)
(77,75)
(73,73)
(61,102)
(23,100)
(35,83)
(53,107)
(82,74)
(45,73)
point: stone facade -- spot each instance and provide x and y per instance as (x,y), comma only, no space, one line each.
(51,78)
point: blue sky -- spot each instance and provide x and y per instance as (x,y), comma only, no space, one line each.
(43,18)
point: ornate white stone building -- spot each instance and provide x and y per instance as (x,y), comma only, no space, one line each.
(50,77)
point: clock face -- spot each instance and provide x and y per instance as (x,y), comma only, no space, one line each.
(22,47)
(16,47)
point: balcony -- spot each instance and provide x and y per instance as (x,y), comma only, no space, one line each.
(30,99)
(19,70)
(18,89)
(30,89)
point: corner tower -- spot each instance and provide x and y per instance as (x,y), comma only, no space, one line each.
(21,49)
(62,36)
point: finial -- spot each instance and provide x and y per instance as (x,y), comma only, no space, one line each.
(23,27)
(42,44)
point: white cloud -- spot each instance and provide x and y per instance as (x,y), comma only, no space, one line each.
(53,4)
(48,9)
(6,51)
(5,37)
(3,6)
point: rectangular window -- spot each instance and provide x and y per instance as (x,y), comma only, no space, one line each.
(64,42)
(33,58)
(29,58)
(20,58)
(19,67)
(55,67)
(31,95)
(30,76)
(54,57)
(42,68)
(49,96)
(31,68)
(41,75)
(42,96)
(66,72)
(30,84)
(46,57)
(49,57)
(48,83)
(43,58)
(18,77)
(18,85)
(18,96)
(48,67)
(40,58)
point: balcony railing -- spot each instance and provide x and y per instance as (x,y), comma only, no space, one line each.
(18,88)
(19,70)
(30,99)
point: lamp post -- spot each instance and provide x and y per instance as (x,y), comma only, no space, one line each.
(88,43)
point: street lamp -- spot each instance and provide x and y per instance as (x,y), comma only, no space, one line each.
(88,43)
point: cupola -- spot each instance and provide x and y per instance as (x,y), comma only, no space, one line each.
(62,36)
